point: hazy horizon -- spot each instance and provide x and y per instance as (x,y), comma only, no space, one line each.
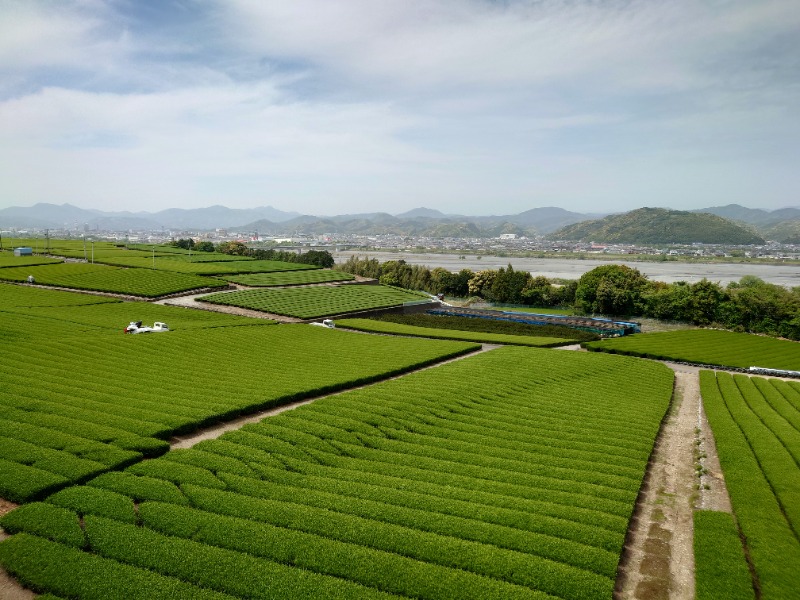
(469,107)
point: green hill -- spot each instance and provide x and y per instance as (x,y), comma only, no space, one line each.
(659,226)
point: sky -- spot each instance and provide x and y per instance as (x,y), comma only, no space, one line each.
(466,106)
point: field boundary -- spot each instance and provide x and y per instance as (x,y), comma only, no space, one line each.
(215,431)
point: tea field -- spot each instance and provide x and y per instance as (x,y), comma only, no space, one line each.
(79,397)
(103,278)
(375,326)
(7,259)
(313,302)
(289,278)
(708,347)
(502,475)
(180,263)
(756,424)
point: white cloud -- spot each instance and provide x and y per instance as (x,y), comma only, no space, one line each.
(349,104)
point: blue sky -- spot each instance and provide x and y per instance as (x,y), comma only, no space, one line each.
(468,106)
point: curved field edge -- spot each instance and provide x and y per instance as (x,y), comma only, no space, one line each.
(141,390)
(451,334)
(502,475)
(315,302)
(757,471)
(706,347)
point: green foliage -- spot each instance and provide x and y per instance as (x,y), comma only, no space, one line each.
(203,265)
(95,501)
(762,481)
(186,244)
(71,573)
(15,296)
(102,278)
(19,483)
(214,568)
(135,391)
(45,520)
(394,328)
(499,476)
(7,259)
(708,347)
(290,278)
(659,226)
(318,258)
(138,488)
(313,302)
(489,326)
(611,290)
(720,566)
(417,564)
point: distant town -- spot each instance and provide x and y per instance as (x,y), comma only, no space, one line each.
(508,244)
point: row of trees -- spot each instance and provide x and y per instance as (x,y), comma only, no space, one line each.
(190,244)
(615,290)
(320,258)
(505,286)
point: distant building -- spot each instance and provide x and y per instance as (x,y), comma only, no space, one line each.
(23,251)
(508,236)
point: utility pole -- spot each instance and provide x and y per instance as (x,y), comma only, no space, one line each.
(86,258)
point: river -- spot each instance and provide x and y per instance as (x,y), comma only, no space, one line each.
(787,275)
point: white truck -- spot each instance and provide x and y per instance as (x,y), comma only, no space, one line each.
(137,327)
(328,323)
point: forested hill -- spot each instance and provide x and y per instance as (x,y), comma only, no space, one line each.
(659,226)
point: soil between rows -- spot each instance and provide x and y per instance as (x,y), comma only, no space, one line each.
(658,558)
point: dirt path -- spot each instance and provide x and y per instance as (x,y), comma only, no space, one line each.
(214,432)
(9,588)
(658,559)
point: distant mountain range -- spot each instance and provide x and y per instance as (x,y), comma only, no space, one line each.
(420,221)
(734,223)
(71,217)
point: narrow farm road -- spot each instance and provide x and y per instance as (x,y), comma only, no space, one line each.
(658,559)
(214,432)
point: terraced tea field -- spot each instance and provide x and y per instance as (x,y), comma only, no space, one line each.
(103,278)
(388,327)
(290,278)
(313,302)
(756,424)
(708,347)
(499,476)
(79,397)
(182,264)
(7,259)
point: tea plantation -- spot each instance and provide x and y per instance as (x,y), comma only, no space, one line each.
(708,347)
(79,397)
(756,425)
(498,476)
(313,302)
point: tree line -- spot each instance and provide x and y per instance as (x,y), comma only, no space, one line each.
(320,258)
(750,304)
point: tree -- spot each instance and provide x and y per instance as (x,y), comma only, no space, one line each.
(508,285)
(611,290)
(321,258)
(204,246)
(234,248)
(186,244)
(396,273)
(481,282)
(539,292)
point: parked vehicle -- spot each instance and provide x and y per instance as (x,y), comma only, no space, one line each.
(137,327)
